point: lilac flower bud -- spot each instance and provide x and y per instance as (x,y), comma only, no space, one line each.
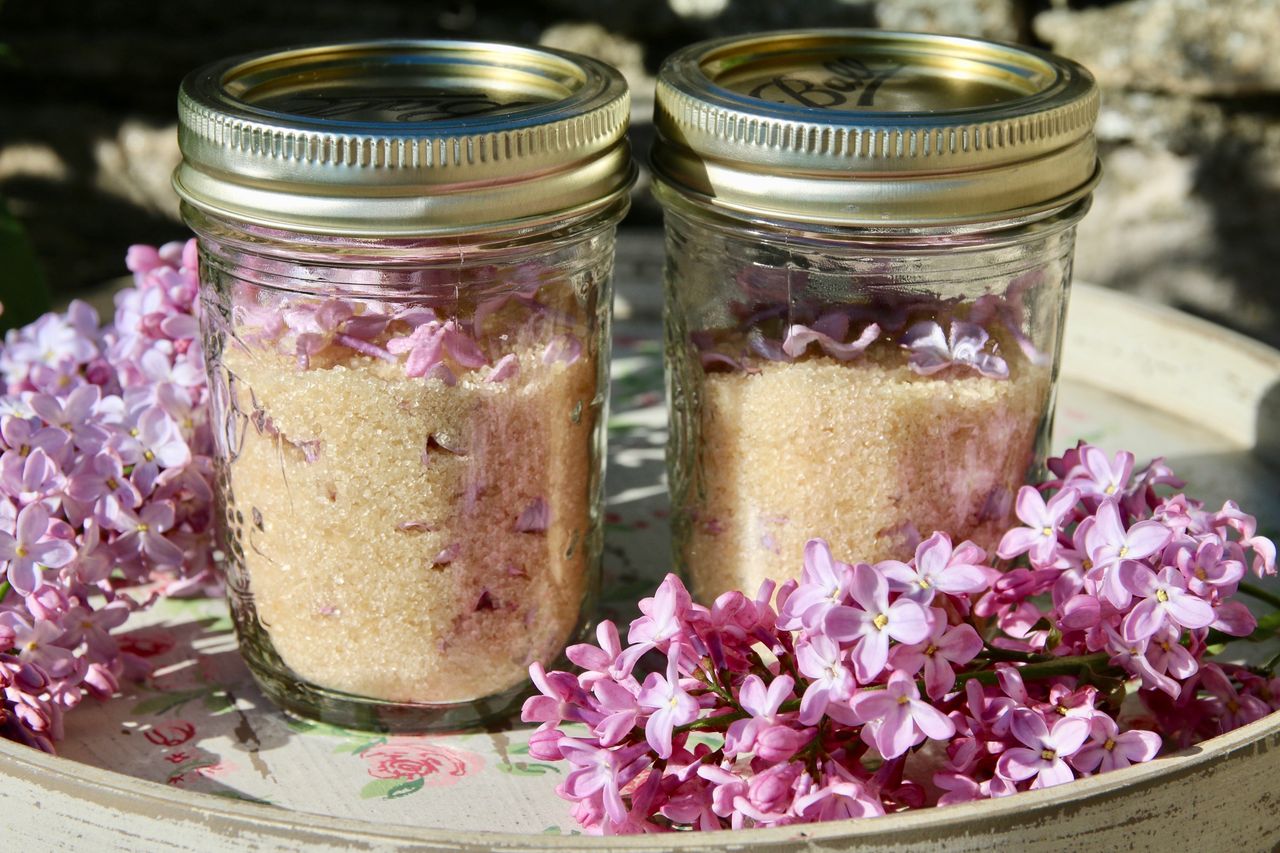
(779,743)
(772,790)
(30,679)
(47,602)
(544,745)
(35,719)
(100,681)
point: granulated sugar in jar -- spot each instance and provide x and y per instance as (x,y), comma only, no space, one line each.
(869,240)
(406,250)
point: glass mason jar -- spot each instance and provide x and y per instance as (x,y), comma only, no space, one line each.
(406,252)
(869,240)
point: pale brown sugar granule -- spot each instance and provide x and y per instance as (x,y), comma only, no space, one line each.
(390,567)
(851,452)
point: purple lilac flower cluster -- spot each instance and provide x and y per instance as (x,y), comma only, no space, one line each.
(105,484)
(929,347)
(865,689)
(418,337)
(947,341)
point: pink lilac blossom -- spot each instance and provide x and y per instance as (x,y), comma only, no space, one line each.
(428,344)
(668,705)
(105,484)
(778,321)
(932,350)
(809,701)
(873,622)
(30,549)
(763,732)
(1102,478)
(1044,751)
(1110,749)
(419,337)
(938,568)
(946,647)
(823,661)
(829,332)
(896,718)
(825,584)
(1043,520)
(1111,548)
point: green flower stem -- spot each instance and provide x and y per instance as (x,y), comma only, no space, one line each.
(1254,591)
(721,722)
(1041,669)
(710,679)
(1038,669)
(994,654)
(4,591)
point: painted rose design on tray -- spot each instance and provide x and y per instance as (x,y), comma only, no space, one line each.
(402,766)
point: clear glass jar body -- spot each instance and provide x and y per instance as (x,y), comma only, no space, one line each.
(864,386)
(409,460)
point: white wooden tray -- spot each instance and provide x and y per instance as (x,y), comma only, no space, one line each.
(197,760)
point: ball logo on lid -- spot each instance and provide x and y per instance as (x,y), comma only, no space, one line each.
(845,81)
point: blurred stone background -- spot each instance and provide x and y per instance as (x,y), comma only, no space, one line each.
(1188,211)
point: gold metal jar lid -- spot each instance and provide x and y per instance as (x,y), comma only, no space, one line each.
(874,128)
(402,138)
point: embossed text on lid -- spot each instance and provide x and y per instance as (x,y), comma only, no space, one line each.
(876,77)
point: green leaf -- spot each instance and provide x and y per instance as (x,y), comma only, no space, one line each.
(391,789)
(378,788)
(356,747)
(1268,624)
(528,768)
(166,702)
(368,744)
(23,291)
(219,625)
(193,764)
(219,702)
(413,786)
(551,830)
(313,727)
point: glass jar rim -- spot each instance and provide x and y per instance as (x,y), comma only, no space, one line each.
(871,238)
